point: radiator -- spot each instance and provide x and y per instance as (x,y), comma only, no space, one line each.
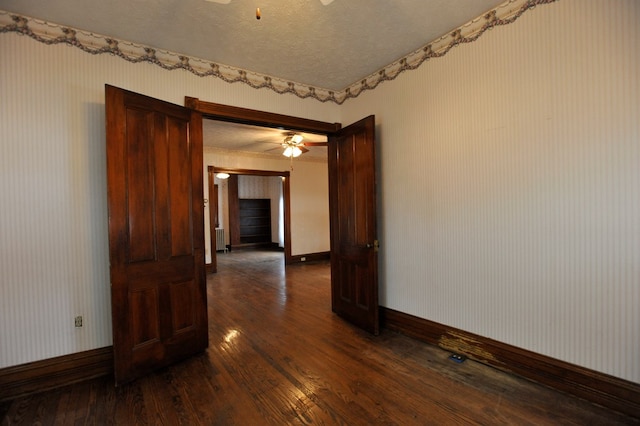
(220,244)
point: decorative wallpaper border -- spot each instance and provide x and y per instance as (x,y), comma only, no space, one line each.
(49,33)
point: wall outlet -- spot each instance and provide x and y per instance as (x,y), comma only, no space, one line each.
(78,321)
(303,259)
(457,358)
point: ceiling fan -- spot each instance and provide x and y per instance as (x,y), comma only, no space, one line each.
(294,146)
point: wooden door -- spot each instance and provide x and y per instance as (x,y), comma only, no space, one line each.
(156,232)
(354,244)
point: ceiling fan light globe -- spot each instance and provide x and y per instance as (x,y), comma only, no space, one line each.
(296,151)
(288,151)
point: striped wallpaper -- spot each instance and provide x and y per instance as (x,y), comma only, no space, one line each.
(510,185)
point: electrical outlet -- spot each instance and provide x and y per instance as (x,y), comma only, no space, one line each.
(303,259)
(457,358)
(78,321)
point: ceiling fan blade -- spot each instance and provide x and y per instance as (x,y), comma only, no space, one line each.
(315,143)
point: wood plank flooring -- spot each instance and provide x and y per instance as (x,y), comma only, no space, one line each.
(278,356)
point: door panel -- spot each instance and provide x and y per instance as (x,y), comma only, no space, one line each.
(156,232)
(139,125)
(179,184)
(182,305)
(352,202)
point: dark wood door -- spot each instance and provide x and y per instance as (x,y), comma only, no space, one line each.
(156,232)
(354,244)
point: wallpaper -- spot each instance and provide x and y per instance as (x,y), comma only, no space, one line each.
(509,196)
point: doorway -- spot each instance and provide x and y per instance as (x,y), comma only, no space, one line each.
(231,118)
(232,229)
(160,269)
(352,205)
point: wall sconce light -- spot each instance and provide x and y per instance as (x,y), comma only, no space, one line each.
(222,175)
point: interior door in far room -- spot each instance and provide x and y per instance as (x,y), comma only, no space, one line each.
(156,232)
(354,243)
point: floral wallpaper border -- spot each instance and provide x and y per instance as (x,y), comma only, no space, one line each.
(49,33)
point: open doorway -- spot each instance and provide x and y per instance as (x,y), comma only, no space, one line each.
(309,218)
(179,278)
(248,209)
(352,201)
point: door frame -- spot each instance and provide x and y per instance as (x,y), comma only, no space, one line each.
(259,118)
(213,111)
(212,202)
(266,119)
(286,195)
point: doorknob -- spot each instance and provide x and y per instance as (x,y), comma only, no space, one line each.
(375,245)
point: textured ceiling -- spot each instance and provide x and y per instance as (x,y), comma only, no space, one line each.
(302,41)
(246,138)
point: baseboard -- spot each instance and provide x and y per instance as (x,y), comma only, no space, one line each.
(611,392)
(51,373)
(608,391)
(311,257)
(254,246)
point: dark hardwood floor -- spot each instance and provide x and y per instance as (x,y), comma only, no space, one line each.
(278,356)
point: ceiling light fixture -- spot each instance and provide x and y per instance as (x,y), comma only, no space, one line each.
(293,146)
(292,151)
